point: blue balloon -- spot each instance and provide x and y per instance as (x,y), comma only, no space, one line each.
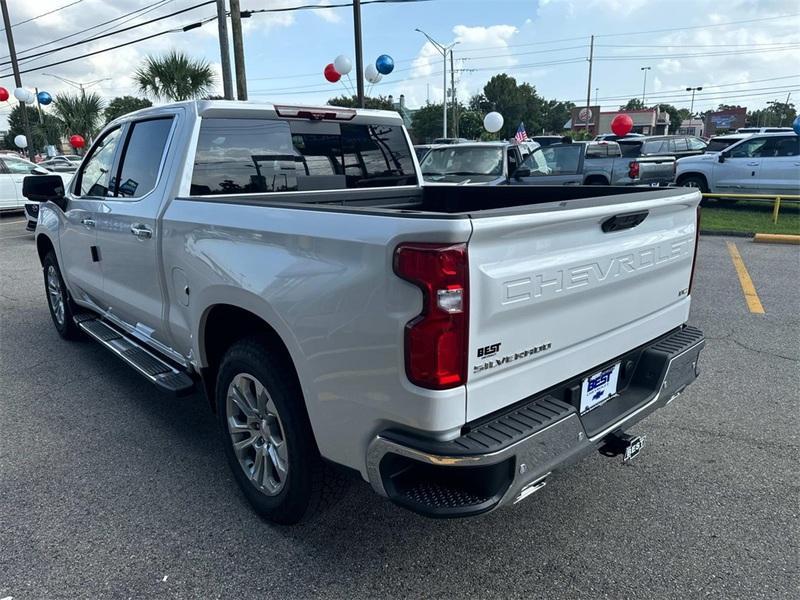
(44,98)
(796,125)
(384,64)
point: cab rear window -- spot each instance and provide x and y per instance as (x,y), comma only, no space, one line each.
(254,156)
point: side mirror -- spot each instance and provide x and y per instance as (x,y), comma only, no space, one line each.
(522,172)
(43,188)
(722,156)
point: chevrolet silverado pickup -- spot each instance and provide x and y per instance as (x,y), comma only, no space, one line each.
(452,345)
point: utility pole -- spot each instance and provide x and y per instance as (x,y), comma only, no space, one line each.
(589,86)
(224,50)
(785,110)
(453,92)
(238,50)
(644,85)
(359,52)
(596,90)
(12,52)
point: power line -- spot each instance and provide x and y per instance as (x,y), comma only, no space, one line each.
(136,41)
(115,32)
(706,26)
(682,45)
(695,54)
(326,6)
(43,14)
(144,8)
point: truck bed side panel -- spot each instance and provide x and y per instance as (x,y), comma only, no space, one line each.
(324,282)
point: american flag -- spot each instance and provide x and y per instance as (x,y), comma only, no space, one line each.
(521,136)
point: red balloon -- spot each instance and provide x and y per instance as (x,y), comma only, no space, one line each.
(621,125)
(77,141)
(3,94)
(331,74)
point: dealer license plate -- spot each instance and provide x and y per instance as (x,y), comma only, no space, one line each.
(599,387)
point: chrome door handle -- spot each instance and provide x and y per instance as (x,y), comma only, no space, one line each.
(141,231)
(88,222)
(753,164)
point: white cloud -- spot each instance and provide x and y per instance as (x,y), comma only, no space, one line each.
(330,15)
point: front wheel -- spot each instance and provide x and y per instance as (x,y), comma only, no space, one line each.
(61,307)
(695,181)
(267,436)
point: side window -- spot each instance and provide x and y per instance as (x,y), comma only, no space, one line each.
(749,149)
(695,144)
(17,166)
(678,145)
(654,147)
(142,156)
(95,177)
(788,146)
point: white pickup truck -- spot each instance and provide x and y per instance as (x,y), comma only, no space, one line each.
(452,345)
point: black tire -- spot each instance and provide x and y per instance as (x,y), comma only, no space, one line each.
(63,318)
(309,483)
(695,181)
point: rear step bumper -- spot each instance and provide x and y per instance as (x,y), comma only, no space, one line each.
(158,371)
(507,456)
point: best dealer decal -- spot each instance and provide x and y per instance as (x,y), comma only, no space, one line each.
(510,358)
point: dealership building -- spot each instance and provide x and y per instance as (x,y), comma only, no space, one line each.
(649,121)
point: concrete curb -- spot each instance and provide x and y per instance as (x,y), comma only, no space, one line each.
(728,233)
(776,238)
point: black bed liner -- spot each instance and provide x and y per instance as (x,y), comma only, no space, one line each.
(449,202)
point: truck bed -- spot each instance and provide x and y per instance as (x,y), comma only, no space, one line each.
(452,201)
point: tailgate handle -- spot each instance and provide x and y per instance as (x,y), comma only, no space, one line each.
(627,221)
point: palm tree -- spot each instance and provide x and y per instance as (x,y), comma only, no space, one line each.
(80,113)
(174,76)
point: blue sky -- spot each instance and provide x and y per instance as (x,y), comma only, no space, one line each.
(544,42)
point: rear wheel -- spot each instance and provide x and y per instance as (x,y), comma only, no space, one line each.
(267,436)
(61,307)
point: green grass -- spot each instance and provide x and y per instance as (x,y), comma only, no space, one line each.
(749,216)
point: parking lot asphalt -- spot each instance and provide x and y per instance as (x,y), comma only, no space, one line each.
(109,489)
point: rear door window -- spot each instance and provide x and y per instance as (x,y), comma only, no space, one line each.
(251,156)
(678,145)
(696,144)
(141,160)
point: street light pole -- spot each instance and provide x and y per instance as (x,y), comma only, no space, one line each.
(443,50)
(691,106)
(81,85)
(644,85)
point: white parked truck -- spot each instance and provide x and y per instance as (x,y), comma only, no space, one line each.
(454,346)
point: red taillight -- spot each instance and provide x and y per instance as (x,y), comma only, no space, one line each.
(436,340)
(633,169)
(696,248)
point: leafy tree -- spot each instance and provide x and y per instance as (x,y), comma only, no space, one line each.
(122,105)
(79,113)
(174,76)
(633,104)
(470,124)
(775,114)
(427,123)
(555,115)
(379,103)
(45,128)
(675,118)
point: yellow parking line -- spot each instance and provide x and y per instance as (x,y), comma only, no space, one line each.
(749,290)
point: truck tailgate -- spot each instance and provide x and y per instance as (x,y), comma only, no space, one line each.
(656,169)
(553,295)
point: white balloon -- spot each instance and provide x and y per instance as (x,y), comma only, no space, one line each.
(21,141)
(22,94)
(342,64)
(493,122)
(371,74)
